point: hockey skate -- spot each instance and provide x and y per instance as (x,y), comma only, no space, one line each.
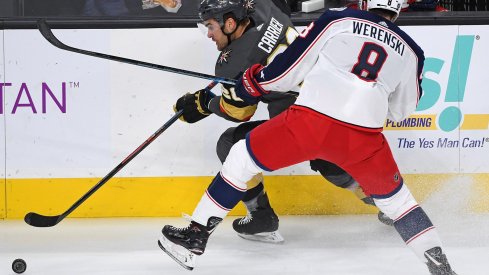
(184,244)
(260,224)
(383,218)
(437,262)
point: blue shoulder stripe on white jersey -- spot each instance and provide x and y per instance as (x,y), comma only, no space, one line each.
(285,60)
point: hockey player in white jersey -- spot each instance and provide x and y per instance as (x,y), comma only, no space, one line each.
(268,33)
(356,68)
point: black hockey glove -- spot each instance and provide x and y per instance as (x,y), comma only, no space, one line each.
(194,105)
(248,88)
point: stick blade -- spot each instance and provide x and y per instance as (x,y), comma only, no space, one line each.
(37,220)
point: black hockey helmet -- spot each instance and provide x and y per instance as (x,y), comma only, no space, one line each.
(240,9)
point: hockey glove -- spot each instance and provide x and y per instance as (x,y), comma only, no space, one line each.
(248,88)
(194,105)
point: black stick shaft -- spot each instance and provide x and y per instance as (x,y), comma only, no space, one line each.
(123,163)
(38,220)
(51,38)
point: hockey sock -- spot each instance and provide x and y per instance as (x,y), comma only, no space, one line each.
(410,221)
(229,186)
(220,197)
(417,231)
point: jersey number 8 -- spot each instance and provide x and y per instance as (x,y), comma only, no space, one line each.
(370,61)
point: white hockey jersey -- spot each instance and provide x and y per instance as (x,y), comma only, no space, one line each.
(355,67)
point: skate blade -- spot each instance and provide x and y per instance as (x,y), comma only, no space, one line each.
(266,237)
(181,255)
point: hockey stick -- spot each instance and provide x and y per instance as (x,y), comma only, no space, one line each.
(48,34)
(38,220)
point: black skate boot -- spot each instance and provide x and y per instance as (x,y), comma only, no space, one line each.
(184,244)
(381,216)
(260,224)
(437,262)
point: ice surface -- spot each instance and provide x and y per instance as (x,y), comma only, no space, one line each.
(356,244)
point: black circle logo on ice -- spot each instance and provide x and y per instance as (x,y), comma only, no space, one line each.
(19,266)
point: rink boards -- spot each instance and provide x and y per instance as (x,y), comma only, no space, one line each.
(169,196)
(68,119)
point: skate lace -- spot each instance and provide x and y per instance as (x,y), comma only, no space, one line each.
(180,229)
(188,227)
(246,219)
